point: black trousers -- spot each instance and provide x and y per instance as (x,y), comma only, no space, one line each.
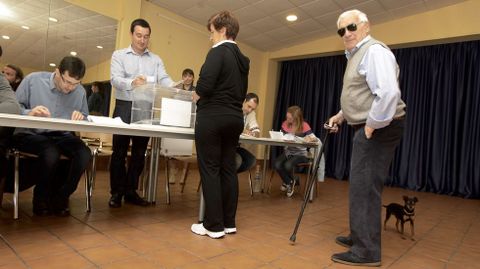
(49,147)
(3,157)
(248,160)
(121,180)
(370,163)
(216,140)
(5,140)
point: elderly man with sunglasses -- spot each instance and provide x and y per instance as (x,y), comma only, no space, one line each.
(57,94)
(371,103)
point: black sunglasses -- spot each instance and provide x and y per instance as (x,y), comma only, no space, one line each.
(352,27)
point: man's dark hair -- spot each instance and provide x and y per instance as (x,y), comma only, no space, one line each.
(140,22)
(227,20)
(96,83)
(1,51)
(188,71)
(74,65)
(251,96)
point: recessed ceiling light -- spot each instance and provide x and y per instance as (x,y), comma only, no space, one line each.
(52,19)
(73,53)
(5,37)
(52,64)
(99,47)
(25,27)
(5,11)
(292,17)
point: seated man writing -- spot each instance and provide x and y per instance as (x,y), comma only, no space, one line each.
(57,95)
(247,159)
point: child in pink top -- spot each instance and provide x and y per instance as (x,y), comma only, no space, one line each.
(295,126)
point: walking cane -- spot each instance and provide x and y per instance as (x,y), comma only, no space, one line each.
(311,181)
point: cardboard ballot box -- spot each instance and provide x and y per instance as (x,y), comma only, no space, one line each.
(158,105)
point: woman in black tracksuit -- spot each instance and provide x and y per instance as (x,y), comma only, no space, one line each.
(221,89)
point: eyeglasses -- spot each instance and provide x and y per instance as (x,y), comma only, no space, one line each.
(352,27)
(69,83)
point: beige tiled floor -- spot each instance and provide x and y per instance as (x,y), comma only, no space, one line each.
(447,232)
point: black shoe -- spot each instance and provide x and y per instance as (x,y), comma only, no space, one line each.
(115,200)
(350,258)
(41,208)
(134,198)
(62,212)
(60,206)
(345,241)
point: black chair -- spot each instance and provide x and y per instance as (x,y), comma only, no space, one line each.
(15,156)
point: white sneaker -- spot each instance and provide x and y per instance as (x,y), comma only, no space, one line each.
(290,190)
(197,228)
(284,187)
(230,230)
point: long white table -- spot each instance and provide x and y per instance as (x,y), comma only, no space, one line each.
(267,143)
(85,126)
(156,132)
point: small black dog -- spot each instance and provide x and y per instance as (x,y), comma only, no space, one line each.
(402,213)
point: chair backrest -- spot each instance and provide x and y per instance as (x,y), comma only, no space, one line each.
(97,139)
(176,147)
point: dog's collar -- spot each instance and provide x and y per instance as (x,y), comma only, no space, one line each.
(408,213)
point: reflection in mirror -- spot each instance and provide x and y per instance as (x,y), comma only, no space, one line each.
(39,33)
(55,29)
(24,33)
(99,99)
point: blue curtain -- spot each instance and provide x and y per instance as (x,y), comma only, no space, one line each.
(440,150)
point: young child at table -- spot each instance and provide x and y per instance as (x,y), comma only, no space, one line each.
(293,126)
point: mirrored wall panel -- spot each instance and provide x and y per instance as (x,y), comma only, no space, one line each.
(37,34)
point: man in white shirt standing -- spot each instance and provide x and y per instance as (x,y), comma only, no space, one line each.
(131,67)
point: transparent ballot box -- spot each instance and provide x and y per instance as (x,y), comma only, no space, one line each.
(158,105)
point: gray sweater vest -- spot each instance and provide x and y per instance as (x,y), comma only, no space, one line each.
(357,98)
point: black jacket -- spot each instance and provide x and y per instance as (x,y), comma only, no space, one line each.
(223,81)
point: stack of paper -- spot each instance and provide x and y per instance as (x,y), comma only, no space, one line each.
(105,120)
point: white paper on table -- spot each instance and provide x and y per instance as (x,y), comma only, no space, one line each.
(105,120)
(176,112)
(276,135)
(245,135)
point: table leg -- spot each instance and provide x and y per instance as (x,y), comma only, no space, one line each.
(153,173)
(167,176)
(264,172)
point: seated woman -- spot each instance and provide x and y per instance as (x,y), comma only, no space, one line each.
(284,164)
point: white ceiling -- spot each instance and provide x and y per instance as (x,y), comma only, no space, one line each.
(263,24)
(77,30)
